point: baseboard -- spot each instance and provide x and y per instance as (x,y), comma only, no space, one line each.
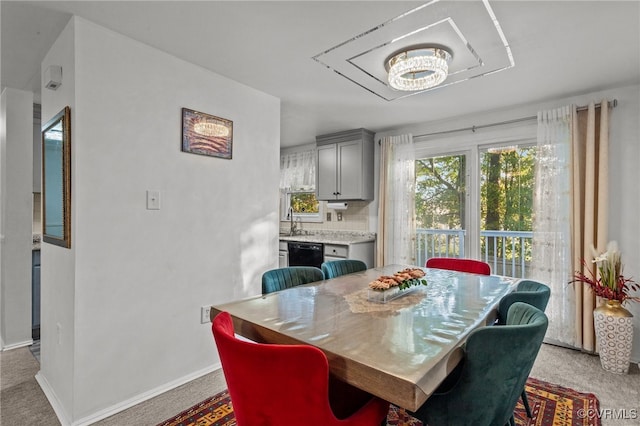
(564,345)
(114,409)
(17,345)
(53,399)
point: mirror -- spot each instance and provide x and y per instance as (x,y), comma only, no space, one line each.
(56,180)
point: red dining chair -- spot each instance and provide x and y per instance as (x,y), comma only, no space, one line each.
(462,265)
(282,384)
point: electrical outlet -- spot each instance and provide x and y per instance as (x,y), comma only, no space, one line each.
(339,214)
(328,216)
(205,313)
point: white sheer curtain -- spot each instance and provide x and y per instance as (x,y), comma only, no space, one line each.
(298,170)
(396,205)
(551,261)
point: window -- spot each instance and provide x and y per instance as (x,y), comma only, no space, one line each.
(303,205)
(297,187)
(440,206)
(477,203)
(506,207)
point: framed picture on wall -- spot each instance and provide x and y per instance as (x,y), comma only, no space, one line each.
(206,134)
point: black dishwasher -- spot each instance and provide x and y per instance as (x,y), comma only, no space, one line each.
(305,254)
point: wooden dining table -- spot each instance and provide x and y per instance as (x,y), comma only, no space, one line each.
(400,350)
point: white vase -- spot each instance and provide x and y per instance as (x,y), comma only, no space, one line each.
(614,336)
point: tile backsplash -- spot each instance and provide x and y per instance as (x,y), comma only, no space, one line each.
(354,218)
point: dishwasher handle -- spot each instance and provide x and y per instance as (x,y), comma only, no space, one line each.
(305,246)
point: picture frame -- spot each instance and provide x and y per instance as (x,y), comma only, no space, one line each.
(206,134)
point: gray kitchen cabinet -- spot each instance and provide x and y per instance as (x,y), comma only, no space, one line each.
(283,254)
(344,169)
(35,294)
(357,251)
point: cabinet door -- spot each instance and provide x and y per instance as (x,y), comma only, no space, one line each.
(35,293)
(350,170)
(326,173)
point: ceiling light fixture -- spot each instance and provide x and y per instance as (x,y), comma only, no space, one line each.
(208,128)
(418,68)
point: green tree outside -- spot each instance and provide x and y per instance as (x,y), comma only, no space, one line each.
(506,194)
(304,202)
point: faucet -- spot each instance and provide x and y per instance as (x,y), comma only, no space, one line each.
(292,224)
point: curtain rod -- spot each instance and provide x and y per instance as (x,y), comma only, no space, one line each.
(612,104)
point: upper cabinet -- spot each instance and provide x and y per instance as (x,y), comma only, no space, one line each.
(345,166)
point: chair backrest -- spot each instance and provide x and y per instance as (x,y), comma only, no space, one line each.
(497,363)
(336,268)
(462,265)
(282,278)
(281,384)
(528,291)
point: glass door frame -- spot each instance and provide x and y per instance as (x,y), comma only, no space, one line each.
(471,146)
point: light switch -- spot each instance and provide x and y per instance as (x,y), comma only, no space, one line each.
(153,200)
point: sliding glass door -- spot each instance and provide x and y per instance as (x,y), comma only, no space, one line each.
(441,206)
(506,207)
(477,204)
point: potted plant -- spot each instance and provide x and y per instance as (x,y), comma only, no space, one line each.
(613,323)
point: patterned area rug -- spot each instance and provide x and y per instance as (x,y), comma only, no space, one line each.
(550,405)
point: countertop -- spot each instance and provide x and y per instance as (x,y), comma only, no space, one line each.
(332,237)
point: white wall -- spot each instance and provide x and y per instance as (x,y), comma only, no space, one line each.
(16,157)
(139,277)
(57,270)
(624,173)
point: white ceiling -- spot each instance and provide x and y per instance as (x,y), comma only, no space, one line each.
(560,48)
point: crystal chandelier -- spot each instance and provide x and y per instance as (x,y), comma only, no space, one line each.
(418,68)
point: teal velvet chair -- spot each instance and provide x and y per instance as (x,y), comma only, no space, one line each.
(337,268)
(283,278)
(535,294)
(528,291)
(484,389)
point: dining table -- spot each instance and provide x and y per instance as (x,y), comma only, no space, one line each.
(399,349)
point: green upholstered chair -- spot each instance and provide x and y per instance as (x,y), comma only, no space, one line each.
(528,291)
(496,364)
(337,268)
(283,278)
(535,294)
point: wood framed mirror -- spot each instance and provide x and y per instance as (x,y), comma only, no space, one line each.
(56,180)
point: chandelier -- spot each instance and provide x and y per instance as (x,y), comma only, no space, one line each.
(208,128)
(418,68)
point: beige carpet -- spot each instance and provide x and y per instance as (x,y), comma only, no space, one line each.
(22,402)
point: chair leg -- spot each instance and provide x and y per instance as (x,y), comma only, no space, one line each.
(525,402)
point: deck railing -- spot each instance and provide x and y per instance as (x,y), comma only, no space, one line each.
(508,252)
